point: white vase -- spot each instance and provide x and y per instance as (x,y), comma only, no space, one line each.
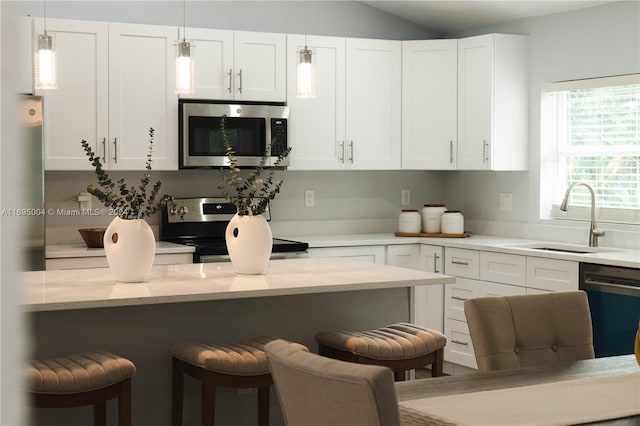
(249,242)
(130,248)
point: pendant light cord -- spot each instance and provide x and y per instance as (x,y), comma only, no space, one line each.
(45,17)
(184,20)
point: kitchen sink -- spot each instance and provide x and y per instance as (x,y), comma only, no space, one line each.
(562,248)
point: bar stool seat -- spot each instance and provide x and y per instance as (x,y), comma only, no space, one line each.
(89,378)
(234,365)
(400,346)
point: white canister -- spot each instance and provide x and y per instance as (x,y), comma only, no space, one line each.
(431,214)
(452,222)
(409,221)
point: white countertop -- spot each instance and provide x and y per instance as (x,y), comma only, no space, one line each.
(606,256)
(81,250)
(95,288)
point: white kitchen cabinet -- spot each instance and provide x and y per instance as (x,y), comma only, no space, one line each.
(317,125)
(429,300)
(354,120)
(101,261)
(115,81)
(492,102)
(462,263)
(552,274)
(503,268)
(238,65)
(373,254)
(429,104)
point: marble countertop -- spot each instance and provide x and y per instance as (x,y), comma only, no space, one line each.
(96,288)
(603,255)
(81,250)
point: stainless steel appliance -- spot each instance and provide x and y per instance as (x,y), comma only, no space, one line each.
(614,301)
(257,132)
(203,226)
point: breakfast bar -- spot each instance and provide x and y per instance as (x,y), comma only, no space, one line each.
(76,310)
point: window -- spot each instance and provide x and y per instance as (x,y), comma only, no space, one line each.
(591,134)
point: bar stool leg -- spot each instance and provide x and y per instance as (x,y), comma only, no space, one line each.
(437,366)
(177,390)
(208,400)
(263,406)
(124,404)
(100,413)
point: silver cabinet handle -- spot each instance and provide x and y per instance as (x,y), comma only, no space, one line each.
(240,85)
(351,148)
(115,150)
(459,262)
(485,151)
(104,148)
(342,152)
(459,298)
(460,342)
(230,74)
(435,263)
(451,152)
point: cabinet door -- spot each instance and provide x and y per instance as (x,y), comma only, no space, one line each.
(213,63)
(373,104)
(141,96)
(462,262)
(503,268)
(475,101)
(429,104)
(260,66)
(78,109)
(552,274)
(317,125)
(373,254)
(429,299)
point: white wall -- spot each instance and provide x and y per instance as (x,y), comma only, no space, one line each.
(594,42)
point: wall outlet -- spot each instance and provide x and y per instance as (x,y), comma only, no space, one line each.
(505,201)
(406,197)
(309,198)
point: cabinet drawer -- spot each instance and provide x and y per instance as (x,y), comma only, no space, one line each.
(459,349)
(503,268)
(552,274)
(462,263)
(456,294)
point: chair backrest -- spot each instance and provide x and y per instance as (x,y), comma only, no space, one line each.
(528,330)
(317,391)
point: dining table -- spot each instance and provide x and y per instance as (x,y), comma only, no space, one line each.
(598,391)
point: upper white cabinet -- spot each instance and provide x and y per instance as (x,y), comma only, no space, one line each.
(429,104)
(465,103)
(237,65)
(115,81)
(354,120)
(492,102)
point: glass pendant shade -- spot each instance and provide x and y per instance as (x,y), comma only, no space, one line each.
(306,87)
(45,63)
(184,68)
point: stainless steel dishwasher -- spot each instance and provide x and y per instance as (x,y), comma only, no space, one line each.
(614,300)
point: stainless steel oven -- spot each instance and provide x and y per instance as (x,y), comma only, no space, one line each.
(203,226)
(257,133)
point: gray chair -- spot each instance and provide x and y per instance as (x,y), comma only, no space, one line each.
(317,391)
(528,330)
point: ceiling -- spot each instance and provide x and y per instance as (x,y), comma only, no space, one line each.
(453,16)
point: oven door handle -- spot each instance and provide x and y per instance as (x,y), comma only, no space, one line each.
(211,258)
(608,287)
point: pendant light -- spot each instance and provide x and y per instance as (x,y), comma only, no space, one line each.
(306,77)
(44,64)
(184,60)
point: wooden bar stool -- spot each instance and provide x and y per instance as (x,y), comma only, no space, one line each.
(232,365)
(90,378)
(400,347)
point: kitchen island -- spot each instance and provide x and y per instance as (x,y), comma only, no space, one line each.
(75,310)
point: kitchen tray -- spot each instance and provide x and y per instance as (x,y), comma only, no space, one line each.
(424,234)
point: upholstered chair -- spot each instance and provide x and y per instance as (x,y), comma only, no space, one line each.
(317,391)
(527,330)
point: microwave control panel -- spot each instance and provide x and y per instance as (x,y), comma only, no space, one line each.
(278,136)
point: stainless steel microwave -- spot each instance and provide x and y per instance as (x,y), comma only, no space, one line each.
(255,131)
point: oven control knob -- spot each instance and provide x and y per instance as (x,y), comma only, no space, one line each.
(182,210)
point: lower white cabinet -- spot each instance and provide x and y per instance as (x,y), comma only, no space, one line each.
(551,274)
(101,261)
(373,254)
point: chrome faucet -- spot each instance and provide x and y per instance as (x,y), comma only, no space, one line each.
(594,232)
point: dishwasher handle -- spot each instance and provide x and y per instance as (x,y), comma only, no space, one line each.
(610,287)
